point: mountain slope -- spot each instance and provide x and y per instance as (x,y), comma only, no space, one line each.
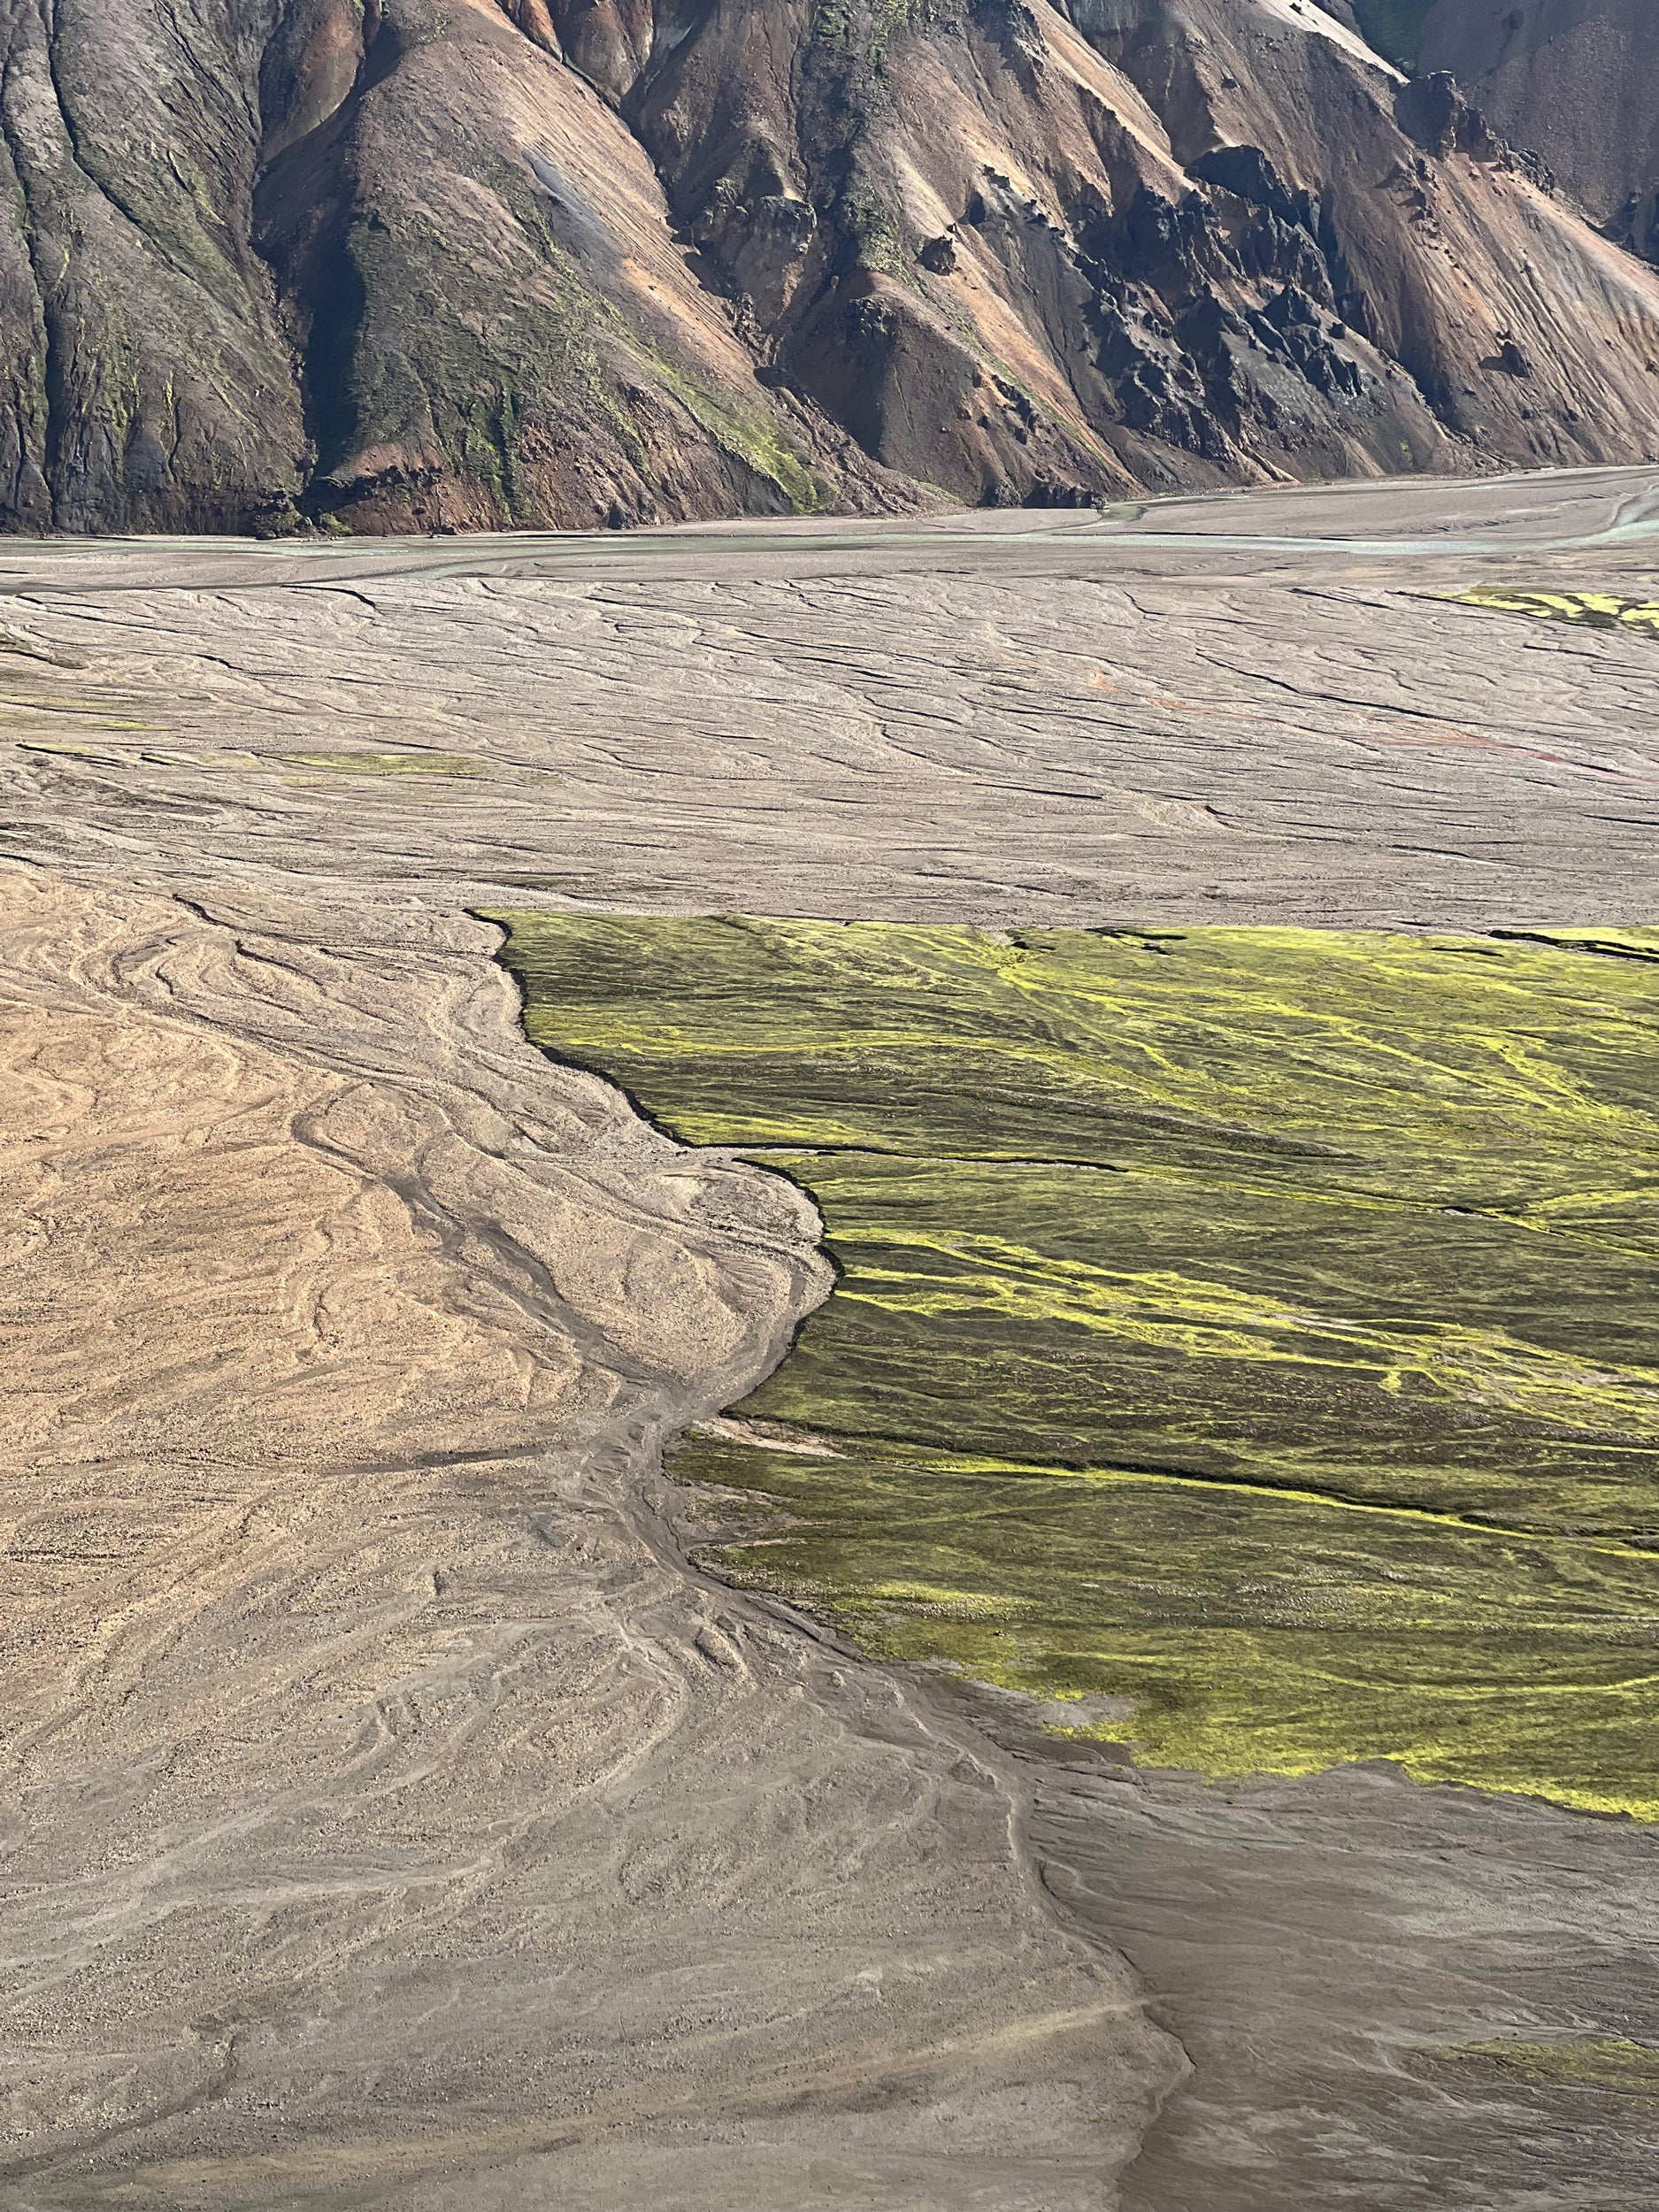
(444,263)
(1394,27)
(1579,80)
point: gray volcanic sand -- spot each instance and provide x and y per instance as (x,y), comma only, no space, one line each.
(391,1817)
(1320,1945)
(1045,718)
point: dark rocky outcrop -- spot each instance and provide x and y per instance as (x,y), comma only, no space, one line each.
(413,263)
(1433,114)
(1579,80)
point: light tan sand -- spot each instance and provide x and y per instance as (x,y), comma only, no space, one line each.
(389,1819)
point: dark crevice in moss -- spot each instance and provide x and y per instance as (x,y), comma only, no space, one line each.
(1603,948)
(1395,1507)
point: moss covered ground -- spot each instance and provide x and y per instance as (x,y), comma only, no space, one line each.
(1589,609)
(1623,2072)
(1254,1325)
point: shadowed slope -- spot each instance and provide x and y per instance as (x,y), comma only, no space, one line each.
(1579,80)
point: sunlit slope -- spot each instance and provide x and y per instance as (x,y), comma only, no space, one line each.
(1253,1325)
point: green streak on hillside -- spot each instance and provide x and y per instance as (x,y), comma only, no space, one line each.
(750,437)
(868,28)
(1253,1325)
(1394,27)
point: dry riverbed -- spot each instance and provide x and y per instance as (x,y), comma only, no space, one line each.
(393,1816)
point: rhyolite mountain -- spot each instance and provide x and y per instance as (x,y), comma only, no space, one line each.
(412,263)
(1577,79)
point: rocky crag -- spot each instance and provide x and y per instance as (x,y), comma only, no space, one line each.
(395,264)
(1579,80)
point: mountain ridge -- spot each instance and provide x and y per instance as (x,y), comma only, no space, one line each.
(449,263)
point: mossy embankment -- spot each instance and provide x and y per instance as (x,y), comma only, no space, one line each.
(1255,1325)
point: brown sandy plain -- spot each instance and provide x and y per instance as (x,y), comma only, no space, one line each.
(392,1816)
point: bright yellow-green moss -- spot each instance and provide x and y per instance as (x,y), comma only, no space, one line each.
(1246,1629)
(1592,609)
(1255,1325)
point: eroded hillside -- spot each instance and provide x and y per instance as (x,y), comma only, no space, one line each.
(1579,80)
(419,264)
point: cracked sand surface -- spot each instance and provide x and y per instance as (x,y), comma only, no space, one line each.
(1040,718)
(390,1817)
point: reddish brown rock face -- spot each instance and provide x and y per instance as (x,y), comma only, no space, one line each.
(459,263)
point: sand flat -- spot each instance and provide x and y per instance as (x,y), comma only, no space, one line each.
(392,1815)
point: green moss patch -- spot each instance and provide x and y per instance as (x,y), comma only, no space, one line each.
(1255,1325)
(1589,609)
(1623,2072)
